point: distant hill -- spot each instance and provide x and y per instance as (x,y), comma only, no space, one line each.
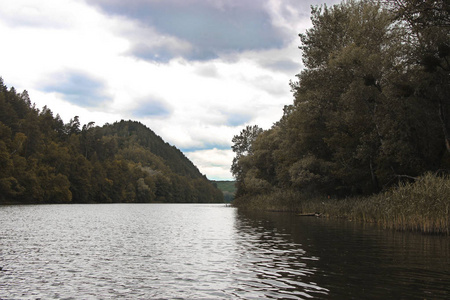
(228,189)
(146,138)
(43,160)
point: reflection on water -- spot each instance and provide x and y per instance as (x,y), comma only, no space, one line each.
(275,266)
(362,261)
(166,251)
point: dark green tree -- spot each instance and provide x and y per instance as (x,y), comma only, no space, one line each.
(243,148)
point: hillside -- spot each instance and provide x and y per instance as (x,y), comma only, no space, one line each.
(44,160)
(228,189)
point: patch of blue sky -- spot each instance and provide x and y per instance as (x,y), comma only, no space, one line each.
(151,108)
(77,87)
(238,119)
(206,146)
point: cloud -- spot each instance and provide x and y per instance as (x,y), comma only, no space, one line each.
(193,135)
(214,162)
(77,87)
(282,65)
(269,84)
(148,44)
(209,71)
(28,13)
(194,71)
(159,52)
(211,28)
(204,146)
(151,107)
(237,119)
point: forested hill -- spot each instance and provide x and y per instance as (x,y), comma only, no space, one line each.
(43,160)
(146,138)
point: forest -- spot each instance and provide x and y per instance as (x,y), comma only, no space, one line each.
(43,160)
(371,108)
(228,189)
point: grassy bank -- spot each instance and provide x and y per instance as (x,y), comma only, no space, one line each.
(420,206)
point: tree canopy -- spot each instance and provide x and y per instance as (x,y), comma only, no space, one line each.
(371,107)
(43,160)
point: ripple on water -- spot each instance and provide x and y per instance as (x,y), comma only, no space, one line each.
(186,252)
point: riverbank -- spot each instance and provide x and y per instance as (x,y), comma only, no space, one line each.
(422,206)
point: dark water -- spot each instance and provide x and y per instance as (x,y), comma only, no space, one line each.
(167,251)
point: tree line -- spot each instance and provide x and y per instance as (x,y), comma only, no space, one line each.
(43,160)
(371,105)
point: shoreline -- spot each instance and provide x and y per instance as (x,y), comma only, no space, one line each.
(422,206)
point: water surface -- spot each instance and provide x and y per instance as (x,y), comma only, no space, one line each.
(210,251)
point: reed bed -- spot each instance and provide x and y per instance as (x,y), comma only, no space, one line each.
(423,205)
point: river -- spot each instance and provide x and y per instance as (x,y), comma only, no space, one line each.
(210,251)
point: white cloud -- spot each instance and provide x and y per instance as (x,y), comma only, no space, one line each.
(195,105)
(213,162)
(42,14)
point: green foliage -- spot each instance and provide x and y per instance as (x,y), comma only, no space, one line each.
(243,147)
(226,185)
(370,108)
(228,189)
(43,160)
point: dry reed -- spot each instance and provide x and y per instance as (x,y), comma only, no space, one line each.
(420,206)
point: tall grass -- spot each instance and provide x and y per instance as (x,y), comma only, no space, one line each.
(423,205)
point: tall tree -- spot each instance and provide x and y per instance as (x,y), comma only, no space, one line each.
(243,148)
(362,116)
(428,22)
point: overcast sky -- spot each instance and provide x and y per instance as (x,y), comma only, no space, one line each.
(194,71)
